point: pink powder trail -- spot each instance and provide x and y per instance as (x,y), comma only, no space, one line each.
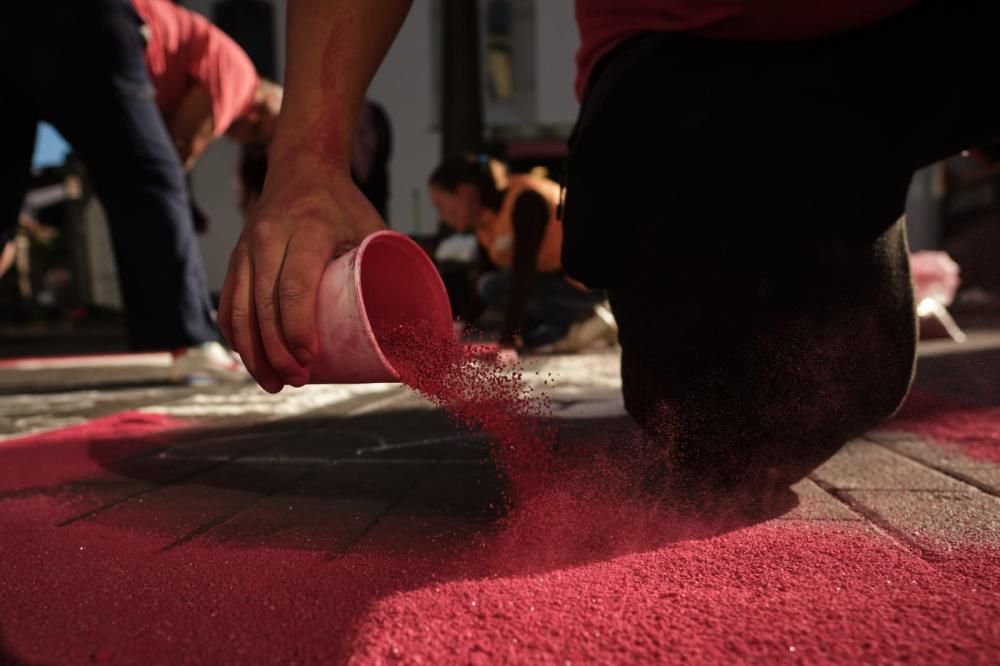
(584,570)
(479,394)
(973,430)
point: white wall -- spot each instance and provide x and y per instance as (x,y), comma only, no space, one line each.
(403,86)
(556,43)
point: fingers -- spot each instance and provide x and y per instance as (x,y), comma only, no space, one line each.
(297,292)
(238,319)
(226,297)
(268,261)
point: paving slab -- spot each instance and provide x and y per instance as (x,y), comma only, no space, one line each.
(937,523)
(942,457)
(862,464)
(818,504)
(325,511)
(452,499)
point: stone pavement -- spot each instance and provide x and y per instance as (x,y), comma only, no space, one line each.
(107,455)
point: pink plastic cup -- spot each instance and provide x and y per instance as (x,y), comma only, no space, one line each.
(385,284)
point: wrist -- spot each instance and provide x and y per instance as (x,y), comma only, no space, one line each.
(301,162)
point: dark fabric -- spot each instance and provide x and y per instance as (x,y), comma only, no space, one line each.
(78,65)
(554,304)
(740,201)
(771,141)
(530,220)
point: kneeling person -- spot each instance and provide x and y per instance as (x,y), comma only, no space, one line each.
(514,218)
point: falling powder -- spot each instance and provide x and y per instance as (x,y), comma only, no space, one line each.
(479,393)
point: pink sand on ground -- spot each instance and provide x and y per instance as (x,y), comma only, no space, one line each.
(63,454)
(974,431)
(579,572)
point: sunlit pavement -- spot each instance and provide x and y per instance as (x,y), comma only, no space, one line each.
(147,521)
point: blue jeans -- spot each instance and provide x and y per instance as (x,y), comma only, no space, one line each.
(78,64)
(553,306)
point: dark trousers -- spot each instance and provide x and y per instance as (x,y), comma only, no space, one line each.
(740,202)
(553,306)
(78,64)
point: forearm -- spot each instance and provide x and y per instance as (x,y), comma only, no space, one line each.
(530,221)
(334,49)
(190,148)
(192,126)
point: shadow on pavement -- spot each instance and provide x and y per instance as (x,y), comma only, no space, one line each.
(396,501)
(7,656)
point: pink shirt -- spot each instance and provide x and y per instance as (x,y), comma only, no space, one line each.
(183,50)
(605,23)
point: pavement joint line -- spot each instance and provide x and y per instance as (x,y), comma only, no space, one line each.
(108,505)
(205,528)
(897,536)
(958,476)
(59,488)
(367,434)
(33,491)
(335,554)
(156,486)
(444,439)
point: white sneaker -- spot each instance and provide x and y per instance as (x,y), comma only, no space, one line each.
(206,363)
(599,330)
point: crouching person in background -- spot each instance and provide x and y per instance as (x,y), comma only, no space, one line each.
(514,218)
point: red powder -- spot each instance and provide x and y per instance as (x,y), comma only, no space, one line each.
(975,431)
(64,454)
(585,571)
(479,394)
(627,593)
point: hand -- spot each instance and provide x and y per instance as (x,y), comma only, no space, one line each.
(307,216)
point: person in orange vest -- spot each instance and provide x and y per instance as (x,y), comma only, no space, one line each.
(514,219)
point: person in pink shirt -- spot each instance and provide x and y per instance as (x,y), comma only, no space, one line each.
(206,85)
(112,83)
(736,179)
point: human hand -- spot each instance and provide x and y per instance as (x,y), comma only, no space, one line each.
(306,216)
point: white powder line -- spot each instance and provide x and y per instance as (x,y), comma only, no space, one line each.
(49,427)
(445,439)
(151,359)
(376,405)
(254,401)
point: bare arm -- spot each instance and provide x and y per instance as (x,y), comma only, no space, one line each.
(531,217)
(334,48)
(192,126)
(309,211)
